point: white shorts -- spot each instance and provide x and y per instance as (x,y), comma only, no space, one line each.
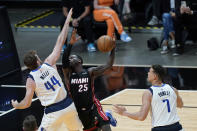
(66,118)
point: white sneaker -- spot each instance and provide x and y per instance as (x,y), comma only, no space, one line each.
(153,21)
(172,42)
(164,50)
(124,37)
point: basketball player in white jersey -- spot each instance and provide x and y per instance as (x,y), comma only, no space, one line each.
(161,99)
(45,81)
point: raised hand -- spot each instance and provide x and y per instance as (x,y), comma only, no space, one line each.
(73,38)
(14,103)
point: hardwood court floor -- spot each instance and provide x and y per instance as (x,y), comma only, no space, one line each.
(132,98)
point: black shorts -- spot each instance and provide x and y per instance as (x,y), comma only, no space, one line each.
(92,118)
(174,127)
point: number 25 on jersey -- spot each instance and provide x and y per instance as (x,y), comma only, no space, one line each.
(50,84)
(83,87)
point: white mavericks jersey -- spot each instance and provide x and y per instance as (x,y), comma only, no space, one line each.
(163,106)
(49,86)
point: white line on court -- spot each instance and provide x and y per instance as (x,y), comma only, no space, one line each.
(118,93)
(6,112)
(178,90)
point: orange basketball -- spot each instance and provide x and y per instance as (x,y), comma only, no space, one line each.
(105,43)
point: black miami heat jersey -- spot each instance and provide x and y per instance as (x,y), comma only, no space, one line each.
(81,89)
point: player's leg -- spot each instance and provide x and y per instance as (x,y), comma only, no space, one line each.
(112,120)
(46,122)
(71,119)
(103,120)
(105,128)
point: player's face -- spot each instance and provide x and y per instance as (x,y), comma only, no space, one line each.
(74,60)
(151,75)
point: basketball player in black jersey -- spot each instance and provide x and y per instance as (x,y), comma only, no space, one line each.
(80,83)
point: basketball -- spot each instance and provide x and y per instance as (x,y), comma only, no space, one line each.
(105,43)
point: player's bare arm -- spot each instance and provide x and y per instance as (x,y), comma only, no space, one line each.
(54,56)
(65,58)
(26,102)
(140,115)
(65,11)
(179,99)
(96,71)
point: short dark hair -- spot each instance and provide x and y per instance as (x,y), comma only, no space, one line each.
(159,71)
(30,123)
(30,60)
(80,58)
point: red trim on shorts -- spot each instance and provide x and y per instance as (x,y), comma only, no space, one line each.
(91,129)
(98,104)
(100,110)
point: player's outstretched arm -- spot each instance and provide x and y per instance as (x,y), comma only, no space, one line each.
(140,115)
(26,102)
(54,56)
(96,71)
(66,54)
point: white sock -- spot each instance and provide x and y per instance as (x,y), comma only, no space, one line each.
(173,42)
(165,47)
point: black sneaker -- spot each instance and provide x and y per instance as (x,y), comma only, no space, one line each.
(178,51)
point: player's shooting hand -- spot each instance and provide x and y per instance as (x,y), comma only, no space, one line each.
(73,38)
(14,103)
(119,109)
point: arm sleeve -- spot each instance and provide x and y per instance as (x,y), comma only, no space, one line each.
(65,57)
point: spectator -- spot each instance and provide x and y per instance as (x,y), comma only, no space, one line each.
(167,18)
(156,12)
(126,10)
(104,12)
(81,19)
(185,17)
(30,123)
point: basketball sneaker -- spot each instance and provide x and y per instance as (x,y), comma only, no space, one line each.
(153,21)
(124,37)
(91,47)
(112,120)
(164,50)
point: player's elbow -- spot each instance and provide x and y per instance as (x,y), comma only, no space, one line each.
(26,106)
(142,118)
